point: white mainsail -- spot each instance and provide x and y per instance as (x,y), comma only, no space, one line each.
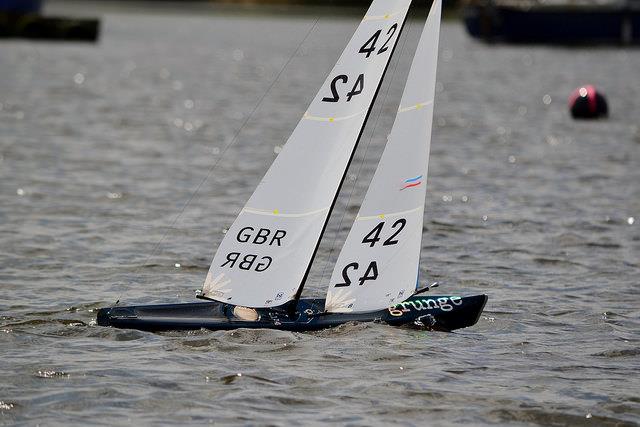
(265,255)
(378,264)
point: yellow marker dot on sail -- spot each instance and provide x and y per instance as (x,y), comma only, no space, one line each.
(381,216)
(331,119)
(276,211)
(386,16)
(419,106)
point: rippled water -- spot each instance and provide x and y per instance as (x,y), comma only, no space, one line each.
(102,145)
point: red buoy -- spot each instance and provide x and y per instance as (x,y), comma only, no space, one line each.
(587,103)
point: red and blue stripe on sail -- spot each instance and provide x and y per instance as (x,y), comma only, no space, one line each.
(412,182)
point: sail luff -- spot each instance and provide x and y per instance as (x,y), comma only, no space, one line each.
(353,151)
(264,258)
(379,262)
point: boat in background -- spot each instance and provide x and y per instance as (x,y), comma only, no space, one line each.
(20,6)
(23,19)
(554,21)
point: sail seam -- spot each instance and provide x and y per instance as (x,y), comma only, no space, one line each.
(332,119)
(392,214)
(276,212)
(417,106)
(381,17)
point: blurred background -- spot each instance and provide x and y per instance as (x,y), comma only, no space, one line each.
(112,114)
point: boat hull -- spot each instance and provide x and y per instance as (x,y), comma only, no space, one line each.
(445,313)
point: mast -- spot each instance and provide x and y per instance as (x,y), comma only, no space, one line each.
(379,263)
(344,175)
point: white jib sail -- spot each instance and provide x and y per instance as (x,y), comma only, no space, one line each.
(378,264)
(264,256)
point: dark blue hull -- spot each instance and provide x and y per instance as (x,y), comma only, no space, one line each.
(553,25)
(445,313)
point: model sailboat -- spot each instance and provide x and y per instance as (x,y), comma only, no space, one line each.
(260,268)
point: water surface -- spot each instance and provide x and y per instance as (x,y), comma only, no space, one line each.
(101,147)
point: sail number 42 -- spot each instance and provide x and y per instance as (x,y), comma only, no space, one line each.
(370,274)
(357,88)
(368,48)
(373,237)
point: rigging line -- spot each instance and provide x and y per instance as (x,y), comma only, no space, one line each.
(233,140)
(364,155)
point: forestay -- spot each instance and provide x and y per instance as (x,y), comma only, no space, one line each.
(379,262)
(264,257)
